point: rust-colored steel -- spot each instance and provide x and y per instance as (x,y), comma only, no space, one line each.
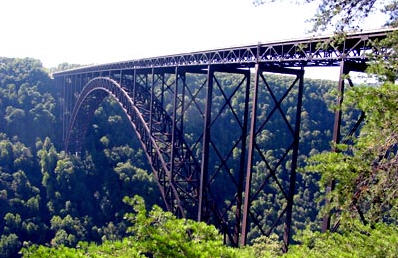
(292,183)
(252,137)
(251,193)
(336,134)
(242,163)
(150,143)
(189,174)
(202,211)
(174,126)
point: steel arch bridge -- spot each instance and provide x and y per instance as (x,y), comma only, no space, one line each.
(156,96)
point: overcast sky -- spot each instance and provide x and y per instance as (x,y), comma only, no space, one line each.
(99,31)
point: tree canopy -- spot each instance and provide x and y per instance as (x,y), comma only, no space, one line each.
(342,15)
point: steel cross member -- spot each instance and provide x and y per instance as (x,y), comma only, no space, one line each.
(254,148)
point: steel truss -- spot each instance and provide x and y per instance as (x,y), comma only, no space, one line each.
(270,172)
(315,51)
(189,188)
(198,176)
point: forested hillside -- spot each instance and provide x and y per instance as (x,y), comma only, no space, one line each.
(51,198)
(103,201)
(46,195)
(42,187)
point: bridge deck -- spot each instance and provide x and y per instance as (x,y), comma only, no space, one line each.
(314,51)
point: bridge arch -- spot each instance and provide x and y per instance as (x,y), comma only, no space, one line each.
(179,190)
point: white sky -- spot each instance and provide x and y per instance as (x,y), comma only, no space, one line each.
(99,31)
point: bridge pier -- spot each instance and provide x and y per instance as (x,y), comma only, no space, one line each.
(254,149)
(345,68)
(204,171)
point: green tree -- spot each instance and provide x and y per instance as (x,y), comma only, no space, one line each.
(161,234)
(68,231)
(343,14)
(366,172)
(9,245)
(356,240)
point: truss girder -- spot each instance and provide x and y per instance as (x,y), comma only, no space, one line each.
(315,51)
(190,184)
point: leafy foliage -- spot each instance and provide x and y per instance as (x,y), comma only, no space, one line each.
(162,234)
(41,188)
(343,14)
(366,172)
(356,240)
(154,234)
(9,245)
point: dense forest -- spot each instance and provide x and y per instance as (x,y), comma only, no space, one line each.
(52,198)
(42,187)
(104,201)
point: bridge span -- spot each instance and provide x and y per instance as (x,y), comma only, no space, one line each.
(191,170)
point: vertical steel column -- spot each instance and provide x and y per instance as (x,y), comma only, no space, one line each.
(72,103)
(123,86)
(252,139)
(65,120)
(72,77)
(292,181)
(242,163)
(81,84)
(183,78)
(134,84)
(162,91)
(68,101)
(59,87)
(338,113)
(61,79)
(174,122)
(70,90)
(205,148)
(152,99)
(336,135)
(74,90)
